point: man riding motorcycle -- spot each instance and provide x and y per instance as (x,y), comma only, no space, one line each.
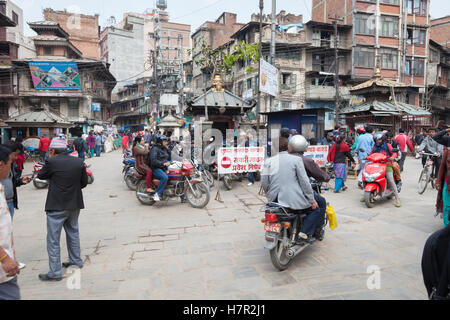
(159,159)
(383,147)
(285,182)
(395,164)
(298,145)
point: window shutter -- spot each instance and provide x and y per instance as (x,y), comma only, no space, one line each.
(293,83)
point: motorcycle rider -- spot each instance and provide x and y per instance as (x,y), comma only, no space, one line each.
(395,164)
(140,153)
(382,146)
(298,145)
(328,140)
(159,157)
(285,182)
(429,145)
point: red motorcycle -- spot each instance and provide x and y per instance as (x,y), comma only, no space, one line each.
(184,181)
(43,184)
(375,181)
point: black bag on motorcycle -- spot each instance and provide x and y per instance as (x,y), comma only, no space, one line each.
(436,265)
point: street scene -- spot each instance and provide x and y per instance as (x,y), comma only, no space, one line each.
(257,150)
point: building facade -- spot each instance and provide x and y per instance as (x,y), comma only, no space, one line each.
(83,30)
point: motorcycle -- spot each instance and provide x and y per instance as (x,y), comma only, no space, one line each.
(43,184)
(374,180)
(206,175)
(282,227)
(130,174)
(184,180)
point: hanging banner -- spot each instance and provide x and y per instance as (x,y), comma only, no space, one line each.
(55,75)
(268,79)
(319,154)
(237,160)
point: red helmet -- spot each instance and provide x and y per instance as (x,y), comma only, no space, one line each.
(360,130)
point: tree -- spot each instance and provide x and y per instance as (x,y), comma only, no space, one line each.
(218,61)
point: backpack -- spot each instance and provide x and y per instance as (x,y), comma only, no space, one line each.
(436,265)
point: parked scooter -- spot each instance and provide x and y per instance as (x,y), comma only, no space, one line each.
(375,181)
(282,227)
(184,180)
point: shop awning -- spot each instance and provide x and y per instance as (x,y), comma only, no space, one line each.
(386,107)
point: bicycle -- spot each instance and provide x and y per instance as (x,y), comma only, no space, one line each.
(426,175)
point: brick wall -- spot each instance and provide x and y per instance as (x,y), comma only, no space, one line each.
(440,30)
(83,30)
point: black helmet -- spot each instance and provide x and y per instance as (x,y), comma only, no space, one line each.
(161,139)
(285,132)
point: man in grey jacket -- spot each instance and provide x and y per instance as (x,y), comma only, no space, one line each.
(285,182)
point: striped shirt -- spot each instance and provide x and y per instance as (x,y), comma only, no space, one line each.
(6,233)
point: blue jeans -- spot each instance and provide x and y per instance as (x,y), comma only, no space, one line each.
(98,150)
(163,178)
(314,220)
(55,222)
(10,290)
(11,208)
(251,177)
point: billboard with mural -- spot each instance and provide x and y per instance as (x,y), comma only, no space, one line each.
(55,75)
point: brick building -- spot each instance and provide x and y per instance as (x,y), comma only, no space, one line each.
(395,31)
(83,30)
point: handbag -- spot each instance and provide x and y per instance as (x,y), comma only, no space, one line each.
(332,220)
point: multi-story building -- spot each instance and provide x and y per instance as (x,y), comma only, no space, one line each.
(438,82)
(83,30)
(440,31)
(394,31)
(61,83)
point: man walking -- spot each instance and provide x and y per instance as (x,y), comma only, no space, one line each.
(9,267)
(363,148)
(67,176)
(81,147)
(43,146)
(404,143)
(98,144)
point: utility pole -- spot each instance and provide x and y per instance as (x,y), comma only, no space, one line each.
(258,107)
(273,43)
(336,66)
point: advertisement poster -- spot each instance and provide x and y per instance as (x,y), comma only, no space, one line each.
(319,154)
(268,82)
(238,160)
(55,75)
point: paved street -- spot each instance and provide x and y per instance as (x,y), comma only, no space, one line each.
(176,252)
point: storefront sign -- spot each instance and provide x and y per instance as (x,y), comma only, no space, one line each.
(96,106)
(55,75)
(319,154)
(238,160)
(268,82)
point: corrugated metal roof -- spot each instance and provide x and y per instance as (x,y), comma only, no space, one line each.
(379,81)
(386,107)
(43,116)
(219,99)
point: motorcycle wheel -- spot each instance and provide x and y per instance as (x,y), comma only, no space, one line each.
(91,179)
(130,183)
(369,199)
(201,198)
(142,188)
(279,258)
(258,176)
(39,185)
(209,178)
(423,181)
(227,181)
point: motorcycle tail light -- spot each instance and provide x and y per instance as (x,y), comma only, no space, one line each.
(287,225)
(271,217)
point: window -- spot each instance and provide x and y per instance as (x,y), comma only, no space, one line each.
(286,78)
(419,37)
(74,108)
(395,2)
(415,67)
(249,84)
(323,63)
(48,51)
(389,26)
(15,17)
(240,88)
(365,24)
(3,7)
(434,56)
(4,108)
(389,58)
(417,7)
(364,57)
(256,85)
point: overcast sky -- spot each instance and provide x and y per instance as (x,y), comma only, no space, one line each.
(193,12)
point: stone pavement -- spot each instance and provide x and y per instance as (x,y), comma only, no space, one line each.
(176,252)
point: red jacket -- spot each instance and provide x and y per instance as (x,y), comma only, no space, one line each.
(404,143)
(44,143)
(20,160)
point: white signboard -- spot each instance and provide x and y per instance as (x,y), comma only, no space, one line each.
(319,154)
(268,79)
(237,160)
(169,99)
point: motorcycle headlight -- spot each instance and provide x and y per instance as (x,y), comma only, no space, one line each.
(371,177)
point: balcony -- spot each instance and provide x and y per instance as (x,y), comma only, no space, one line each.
(325,93)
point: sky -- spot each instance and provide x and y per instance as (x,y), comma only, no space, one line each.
(193,12)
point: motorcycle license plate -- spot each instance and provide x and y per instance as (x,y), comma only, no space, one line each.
(272,227)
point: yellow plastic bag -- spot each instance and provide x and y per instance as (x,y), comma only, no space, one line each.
(332,220)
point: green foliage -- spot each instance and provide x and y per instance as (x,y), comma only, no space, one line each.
(219,61)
